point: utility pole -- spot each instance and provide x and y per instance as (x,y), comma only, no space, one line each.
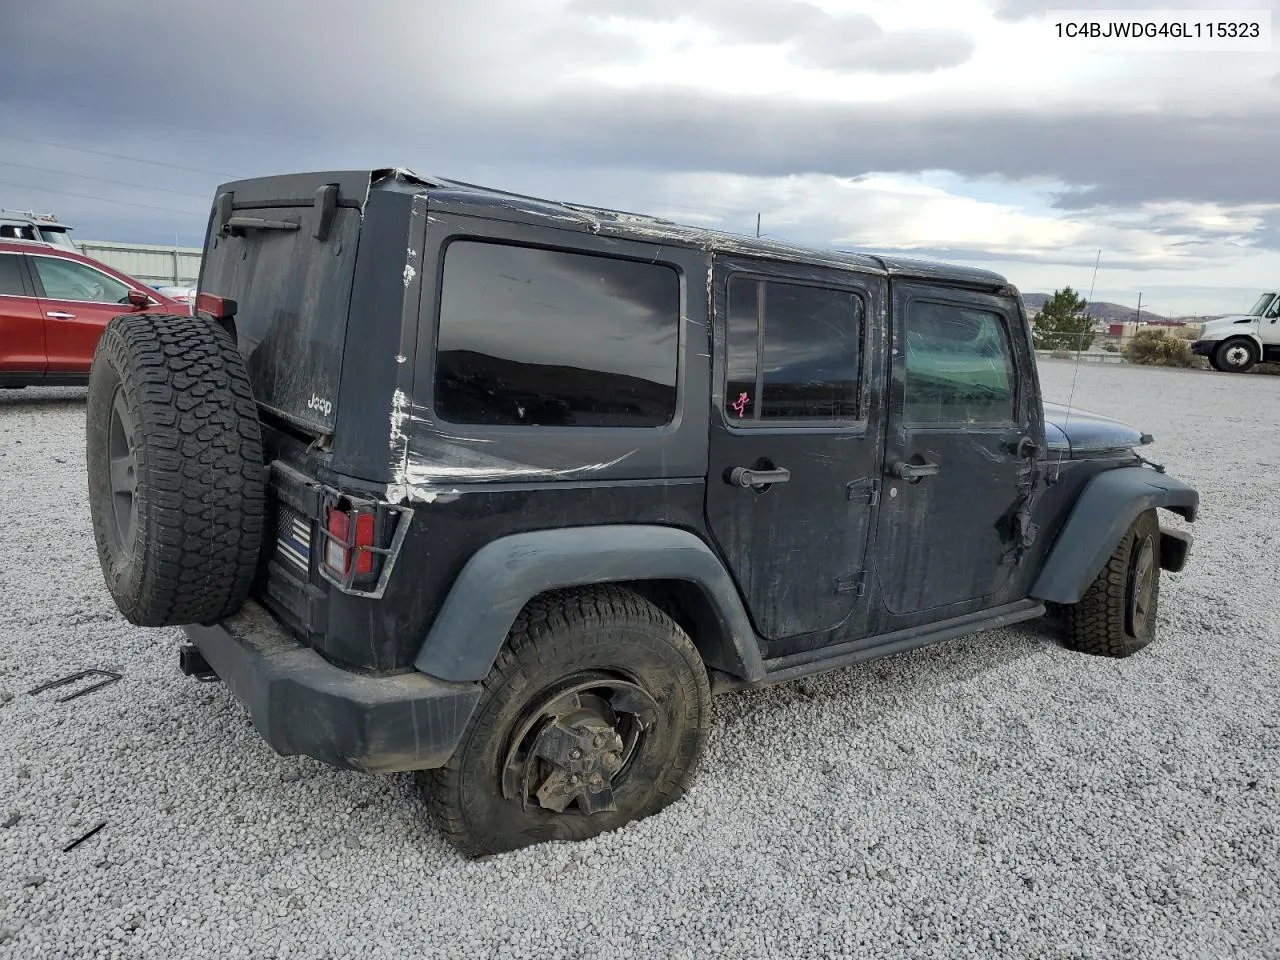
(757,225)
(1138,316)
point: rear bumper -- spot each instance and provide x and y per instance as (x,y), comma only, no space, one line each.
(302,704)
(1204,348)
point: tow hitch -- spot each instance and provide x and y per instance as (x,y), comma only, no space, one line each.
(193,664)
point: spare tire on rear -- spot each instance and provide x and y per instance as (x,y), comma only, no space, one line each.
(176,475)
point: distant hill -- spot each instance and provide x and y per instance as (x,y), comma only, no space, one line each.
(1099,309)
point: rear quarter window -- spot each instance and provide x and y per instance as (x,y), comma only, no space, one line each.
(535,337)
(11,276)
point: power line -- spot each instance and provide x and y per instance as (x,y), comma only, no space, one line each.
(116,156)
(85,176)
(85,196)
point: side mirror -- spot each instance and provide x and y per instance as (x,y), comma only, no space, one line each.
(138,299)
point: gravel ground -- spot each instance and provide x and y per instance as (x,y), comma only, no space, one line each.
(994,796)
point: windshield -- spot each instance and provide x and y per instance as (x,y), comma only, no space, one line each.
(58,237)
(1260,308)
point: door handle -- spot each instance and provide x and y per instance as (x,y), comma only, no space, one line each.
(746,477)
(59,315)
(1026,448)
(913,471)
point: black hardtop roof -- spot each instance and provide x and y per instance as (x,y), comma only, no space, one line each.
(457,196)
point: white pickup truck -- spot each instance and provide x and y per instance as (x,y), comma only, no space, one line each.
(1235,343)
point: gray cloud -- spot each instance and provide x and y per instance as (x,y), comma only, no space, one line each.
(1013,11)
(253,89)
(902,51)
(742,21)
(847,42)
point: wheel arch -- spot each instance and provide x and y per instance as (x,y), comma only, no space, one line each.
(1105,509)
(673,568)
(1251,337)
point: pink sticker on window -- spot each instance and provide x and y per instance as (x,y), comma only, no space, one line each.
(739,406)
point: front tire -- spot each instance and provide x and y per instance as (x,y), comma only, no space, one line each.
(1116,617)
(1237,355)
(594,714)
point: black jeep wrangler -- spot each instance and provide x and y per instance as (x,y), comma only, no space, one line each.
(446,479)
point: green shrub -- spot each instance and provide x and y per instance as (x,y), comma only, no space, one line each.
(1155,347)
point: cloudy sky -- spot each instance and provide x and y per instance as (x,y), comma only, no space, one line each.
(960,129)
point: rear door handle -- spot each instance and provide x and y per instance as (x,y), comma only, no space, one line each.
(58,315)
(913,471)
(746,477)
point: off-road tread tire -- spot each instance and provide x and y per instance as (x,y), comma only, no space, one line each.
(1222,348)
(1097,625)
(542,635)
(201,480)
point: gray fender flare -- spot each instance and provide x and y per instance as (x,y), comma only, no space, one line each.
(1105,509)
(502,576)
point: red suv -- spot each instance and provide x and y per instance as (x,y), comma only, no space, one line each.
(54,305)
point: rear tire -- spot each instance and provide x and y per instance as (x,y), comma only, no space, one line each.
(499,793)
(1237,355)
(1116,617)
(176,478)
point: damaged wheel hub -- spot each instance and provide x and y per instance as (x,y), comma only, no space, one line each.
(575,744)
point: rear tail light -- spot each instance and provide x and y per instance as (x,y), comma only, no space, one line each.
(351,533)
(219,308)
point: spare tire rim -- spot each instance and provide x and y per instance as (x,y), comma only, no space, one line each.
(1142,588)
(1237,355)
(122,465)
(577,744)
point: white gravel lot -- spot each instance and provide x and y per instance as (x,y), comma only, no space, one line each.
(995,796)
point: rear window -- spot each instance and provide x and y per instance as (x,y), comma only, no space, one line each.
(536,337)
(794,352)
(11,276)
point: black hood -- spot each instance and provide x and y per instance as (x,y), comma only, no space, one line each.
(1077,432)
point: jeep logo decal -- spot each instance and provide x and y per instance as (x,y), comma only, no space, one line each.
(320,405)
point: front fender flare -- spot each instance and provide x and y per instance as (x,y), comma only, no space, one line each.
(1106,508)
(504,575)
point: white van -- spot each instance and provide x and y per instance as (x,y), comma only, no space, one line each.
(1235,343)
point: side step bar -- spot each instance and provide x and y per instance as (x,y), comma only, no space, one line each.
(797,665)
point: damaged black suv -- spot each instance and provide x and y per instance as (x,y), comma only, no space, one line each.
(445,479)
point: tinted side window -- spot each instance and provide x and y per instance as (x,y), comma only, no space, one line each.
(11,276)
(743,348)
(546,338)
(68,280)
(808,358)
(959,366)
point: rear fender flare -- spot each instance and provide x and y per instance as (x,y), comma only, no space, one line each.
(1106,508)
(503,576)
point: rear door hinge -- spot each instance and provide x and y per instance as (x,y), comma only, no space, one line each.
(866,490)
(855,583)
